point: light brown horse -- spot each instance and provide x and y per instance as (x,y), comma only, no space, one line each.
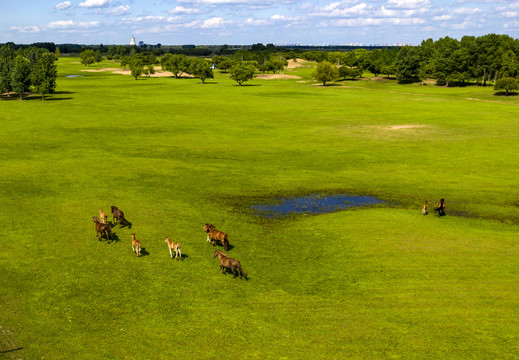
(214,234)
(103,216)
(136,245)
(102,228)
(175,246)
(229,263)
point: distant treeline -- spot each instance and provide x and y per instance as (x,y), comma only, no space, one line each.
(472,59)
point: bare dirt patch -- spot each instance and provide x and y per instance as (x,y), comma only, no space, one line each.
(292,64)
(158,73)
(276,76)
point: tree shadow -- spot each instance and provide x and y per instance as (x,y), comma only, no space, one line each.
(503,93)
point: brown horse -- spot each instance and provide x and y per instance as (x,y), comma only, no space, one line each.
(102,228)
(229,263)
(214,234)
(119,215)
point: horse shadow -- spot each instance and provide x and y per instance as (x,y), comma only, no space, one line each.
(182,257)
(121,225)
(144,252)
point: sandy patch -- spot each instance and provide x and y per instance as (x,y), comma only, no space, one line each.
(276,76)
(297,64)
(158,73)
(400,127)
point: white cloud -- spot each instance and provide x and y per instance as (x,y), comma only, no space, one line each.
(466,11)
(63,6)
(183,10)
(256,22)
(118,11)
(68,24)
(442,18)
(278,17)
(143,19)
(224,2)
(408,4)
(94,3)
(510,14)
(26,29)
(213,23)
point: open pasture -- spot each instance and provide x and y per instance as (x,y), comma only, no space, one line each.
(174,154)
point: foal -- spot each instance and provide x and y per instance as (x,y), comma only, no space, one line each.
(136,245)
(175,246)
(119,215)
(229,263)
(103,216)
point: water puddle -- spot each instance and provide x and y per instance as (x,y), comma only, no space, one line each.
(74,76)
(313,204)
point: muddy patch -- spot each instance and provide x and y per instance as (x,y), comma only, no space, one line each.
(313,204)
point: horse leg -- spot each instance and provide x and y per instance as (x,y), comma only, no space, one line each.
(179,253)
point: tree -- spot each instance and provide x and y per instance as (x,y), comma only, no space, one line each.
(136,66)
(6,62)
(408,64)
(242,72)
(347,72)
(173,64)
(87,57)
(325,71)
(20,75)
(202,70)
(43,76)
(507,84)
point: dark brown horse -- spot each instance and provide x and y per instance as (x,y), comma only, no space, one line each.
(102,228)
(229,263)
(214,234)
(119,215)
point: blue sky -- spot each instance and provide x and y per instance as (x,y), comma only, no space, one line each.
(213,22)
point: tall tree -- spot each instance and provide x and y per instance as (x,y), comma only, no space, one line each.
(20,75)
(43,76)
(7,55)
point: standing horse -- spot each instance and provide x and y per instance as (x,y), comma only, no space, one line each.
(175,246)
(136,245)
(102,228)
(229,263)
(103,216)
(214,234)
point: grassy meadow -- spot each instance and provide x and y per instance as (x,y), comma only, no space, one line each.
(173,154)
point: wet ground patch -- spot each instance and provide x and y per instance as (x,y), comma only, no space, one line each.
(313,204)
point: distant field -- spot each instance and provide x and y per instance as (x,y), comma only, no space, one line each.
(174,154)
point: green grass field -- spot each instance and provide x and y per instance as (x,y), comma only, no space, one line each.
(173,154)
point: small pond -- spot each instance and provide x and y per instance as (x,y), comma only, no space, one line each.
(313,204)
(74,76)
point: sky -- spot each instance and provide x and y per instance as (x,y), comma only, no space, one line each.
(246,22)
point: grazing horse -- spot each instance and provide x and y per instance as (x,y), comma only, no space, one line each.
(136,245)
(119,215)
(229,263)
(214,234)
(103,216)
(175,246)
(102,228)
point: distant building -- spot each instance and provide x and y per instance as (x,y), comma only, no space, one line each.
(132,40)
(141,43)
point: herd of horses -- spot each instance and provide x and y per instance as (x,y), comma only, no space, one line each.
(213,236)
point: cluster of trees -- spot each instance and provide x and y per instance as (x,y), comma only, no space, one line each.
(27,68)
